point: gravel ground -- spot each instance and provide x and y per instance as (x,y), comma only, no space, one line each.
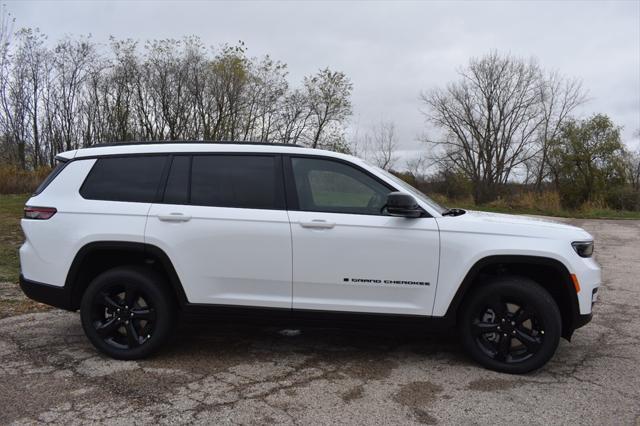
(219,375)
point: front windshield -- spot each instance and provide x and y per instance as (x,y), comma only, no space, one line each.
(413,191)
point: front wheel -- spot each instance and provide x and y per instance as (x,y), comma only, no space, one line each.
(511,325)
(127,312)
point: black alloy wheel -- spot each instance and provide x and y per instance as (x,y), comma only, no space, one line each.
(510,324)
(508,332)
(123,316)
(127,312)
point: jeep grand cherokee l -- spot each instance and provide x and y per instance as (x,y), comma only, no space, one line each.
(132,235)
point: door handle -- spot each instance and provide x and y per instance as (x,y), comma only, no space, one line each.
(174,217)
(318,224)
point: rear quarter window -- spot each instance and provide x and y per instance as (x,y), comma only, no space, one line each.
(50,177)
(134,179)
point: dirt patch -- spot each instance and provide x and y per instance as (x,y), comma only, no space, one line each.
(369,369)
(352,394)
(492,385)
(14,302)
(418,394)
(17,394)
(424,417)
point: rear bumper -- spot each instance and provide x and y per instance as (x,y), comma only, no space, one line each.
(48,294)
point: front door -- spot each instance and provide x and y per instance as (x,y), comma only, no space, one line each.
(224,226)
(347,254)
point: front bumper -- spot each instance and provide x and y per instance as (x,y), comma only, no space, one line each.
(48,294)
(582,320)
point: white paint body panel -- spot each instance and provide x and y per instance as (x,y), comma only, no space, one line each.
(51,245)
(266,258)
(360,247)
(473,236)
(227,256)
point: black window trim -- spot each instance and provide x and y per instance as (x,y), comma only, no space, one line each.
(290,185)
(283,162)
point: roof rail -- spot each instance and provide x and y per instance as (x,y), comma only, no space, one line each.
(100,145)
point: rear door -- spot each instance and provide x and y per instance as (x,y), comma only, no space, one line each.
(223,224)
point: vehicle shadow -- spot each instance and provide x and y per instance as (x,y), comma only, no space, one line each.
(229,344)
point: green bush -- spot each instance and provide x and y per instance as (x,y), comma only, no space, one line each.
(623,198)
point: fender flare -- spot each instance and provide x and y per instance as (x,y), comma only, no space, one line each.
(567,289)
(143,250)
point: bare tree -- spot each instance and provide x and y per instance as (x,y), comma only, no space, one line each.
(417,167)
(72,62)
(76,94)
(489,120)
(559,97)
(293,120)
(328,93)
(384,145)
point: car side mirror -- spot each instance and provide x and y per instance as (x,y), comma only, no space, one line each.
(402,205)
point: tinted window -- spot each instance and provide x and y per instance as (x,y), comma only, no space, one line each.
(55,172)
(242,181)
(177,189)
(331,186)
(124,179)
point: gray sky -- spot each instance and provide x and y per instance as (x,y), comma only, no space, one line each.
(390,50)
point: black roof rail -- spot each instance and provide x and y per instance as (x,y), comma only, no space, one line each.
(100,145)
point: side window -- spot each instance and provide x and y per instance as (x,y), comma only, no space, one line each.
(241,181)
(335,187)
(54,173)
(133,178)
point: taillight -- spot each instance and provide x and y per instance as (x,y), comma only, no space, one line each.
(42,213)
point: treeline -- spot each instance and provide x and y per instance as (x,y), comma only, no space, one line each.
(507,120)
(75,93)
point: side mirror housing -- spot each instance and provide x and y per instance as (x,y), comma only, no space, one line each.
(402,205)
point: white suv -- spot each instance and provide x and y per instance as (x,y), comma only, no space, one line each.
(134,234)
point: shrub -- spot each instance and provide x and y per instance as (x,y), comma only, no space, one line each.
(623,198)
(14,180)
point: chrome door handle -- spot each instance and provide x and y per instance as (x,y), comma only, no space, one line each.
(318,224)
(174,217)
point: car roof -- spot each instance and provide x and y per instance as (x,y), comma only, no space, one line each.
(196,147)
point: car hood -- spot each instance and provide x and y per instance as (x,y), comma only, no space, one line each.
(508,224)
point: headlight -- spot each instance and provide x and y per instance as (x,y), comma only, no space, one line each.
(583,248)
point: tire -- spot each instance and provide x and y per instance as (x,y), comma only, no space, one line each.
(127,312)
(510,324)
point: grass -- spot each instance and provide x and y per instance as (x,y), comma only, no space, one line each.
(12,301)
(11,236)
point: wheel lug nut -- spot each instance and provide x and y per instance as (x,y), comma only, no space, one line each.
(513,323)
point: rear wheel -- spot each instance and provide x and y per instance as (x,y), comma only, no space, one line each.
(127,313)
(510,325)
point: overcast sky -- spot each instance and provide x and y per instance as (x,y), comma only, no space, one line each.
(390,50)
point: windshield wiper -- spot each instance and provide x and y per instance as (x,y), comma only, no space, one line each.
(453,212)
